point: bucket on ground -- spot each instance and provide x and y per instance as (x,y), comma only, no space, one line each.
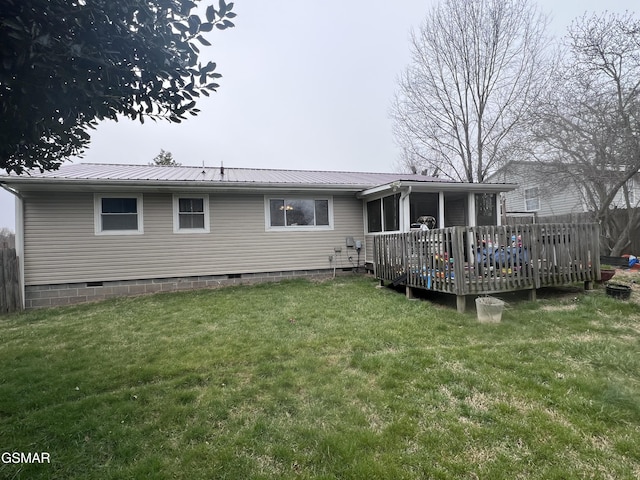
(489,309)
(615,290)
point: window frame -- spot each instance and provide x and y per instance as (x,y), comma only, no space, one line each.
(527,199)
(285,227)
(97,214)
(631,189)
(176,213)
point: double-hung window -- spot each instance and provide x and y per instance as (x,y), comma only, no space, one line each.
(298,213)
(531,199)
(191,213)
(118,214)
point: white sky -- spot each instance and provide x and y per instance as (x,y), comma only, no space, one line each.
(305,85)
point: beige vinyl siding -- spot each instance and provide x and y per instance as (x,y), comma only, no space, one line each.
(61,245)
(369,248)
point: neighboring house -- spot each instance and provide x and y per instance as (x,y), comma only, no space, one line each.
(542,192)
(92,231)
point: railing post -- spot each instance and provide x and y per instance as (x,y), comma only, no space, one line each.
(458,259)
(535,255)
(458,267)
(595,249)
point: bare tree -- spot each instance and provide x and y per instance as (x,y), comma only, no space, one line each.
(7,238)
(588,126)
(477,67)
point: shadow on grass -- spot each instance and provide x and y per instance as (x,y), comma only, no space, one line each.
(559,294)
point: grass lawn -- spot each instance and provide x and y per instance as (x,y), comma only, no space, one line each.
(330,380)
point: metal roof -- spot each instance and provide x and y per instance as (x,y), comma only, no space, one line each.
(154,173)
(97,175)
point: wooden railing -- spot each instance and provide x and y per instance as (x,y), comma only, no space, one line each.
(489,259)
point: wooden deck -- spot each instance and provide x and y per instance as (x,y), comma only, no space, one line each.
(467,261)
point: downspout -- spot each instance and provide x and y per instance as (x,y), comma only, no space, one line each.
(19,237)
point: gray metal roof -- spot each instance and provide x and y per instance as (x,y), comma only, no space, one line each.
(92,176)
(153,173)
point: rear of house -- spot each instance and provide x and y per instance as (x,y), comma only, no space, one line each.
(90,231)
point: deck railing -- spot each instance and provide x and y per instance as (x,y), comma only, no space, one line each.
(489,259)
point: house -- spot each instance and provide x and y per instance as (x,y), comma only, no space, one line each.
(92,231)
(543,192)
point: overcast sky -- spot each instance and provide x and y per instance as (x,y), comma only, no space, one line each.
(305,85)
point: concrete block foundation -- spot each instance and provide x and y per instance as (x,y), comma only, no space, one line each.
(42,296)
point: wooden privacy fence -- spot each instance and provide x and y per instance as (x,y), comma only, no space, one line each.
(10,298)
(489,259)
(618,218)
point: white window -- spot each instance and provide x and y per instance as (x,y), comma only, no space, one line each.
(118,214)
(631,188)
(531,199)
(298,213)
(190,213)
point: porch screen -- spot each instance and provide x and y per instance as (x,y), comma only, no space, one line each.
(374,216)
(384,214)
(391,211)
(486,209)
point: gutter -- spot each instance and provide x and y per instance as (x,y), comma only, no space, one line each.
(98,184)
(11,190)
(19,237)
(440,187)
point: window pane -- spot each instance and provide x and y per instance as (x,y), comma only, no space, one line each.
(120,222)
(195,220)
(188,205)
(119,205)
(532,199)
(322,212)
(391,208)
(374,217)
(300,212)
(276,213)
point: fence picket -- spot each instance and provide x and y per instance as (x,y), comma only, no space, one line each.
(10,300)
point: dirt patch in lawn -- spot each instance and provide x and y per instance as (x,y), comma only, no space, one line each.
(559,308)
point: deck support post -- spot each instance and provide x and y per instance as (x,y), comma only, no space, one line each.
(461,303)
(381,282)
(533,295)
(409,292)
(588,285)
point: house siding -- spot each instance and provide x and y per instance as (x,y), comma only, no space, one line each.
(555,199)
(61,245)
